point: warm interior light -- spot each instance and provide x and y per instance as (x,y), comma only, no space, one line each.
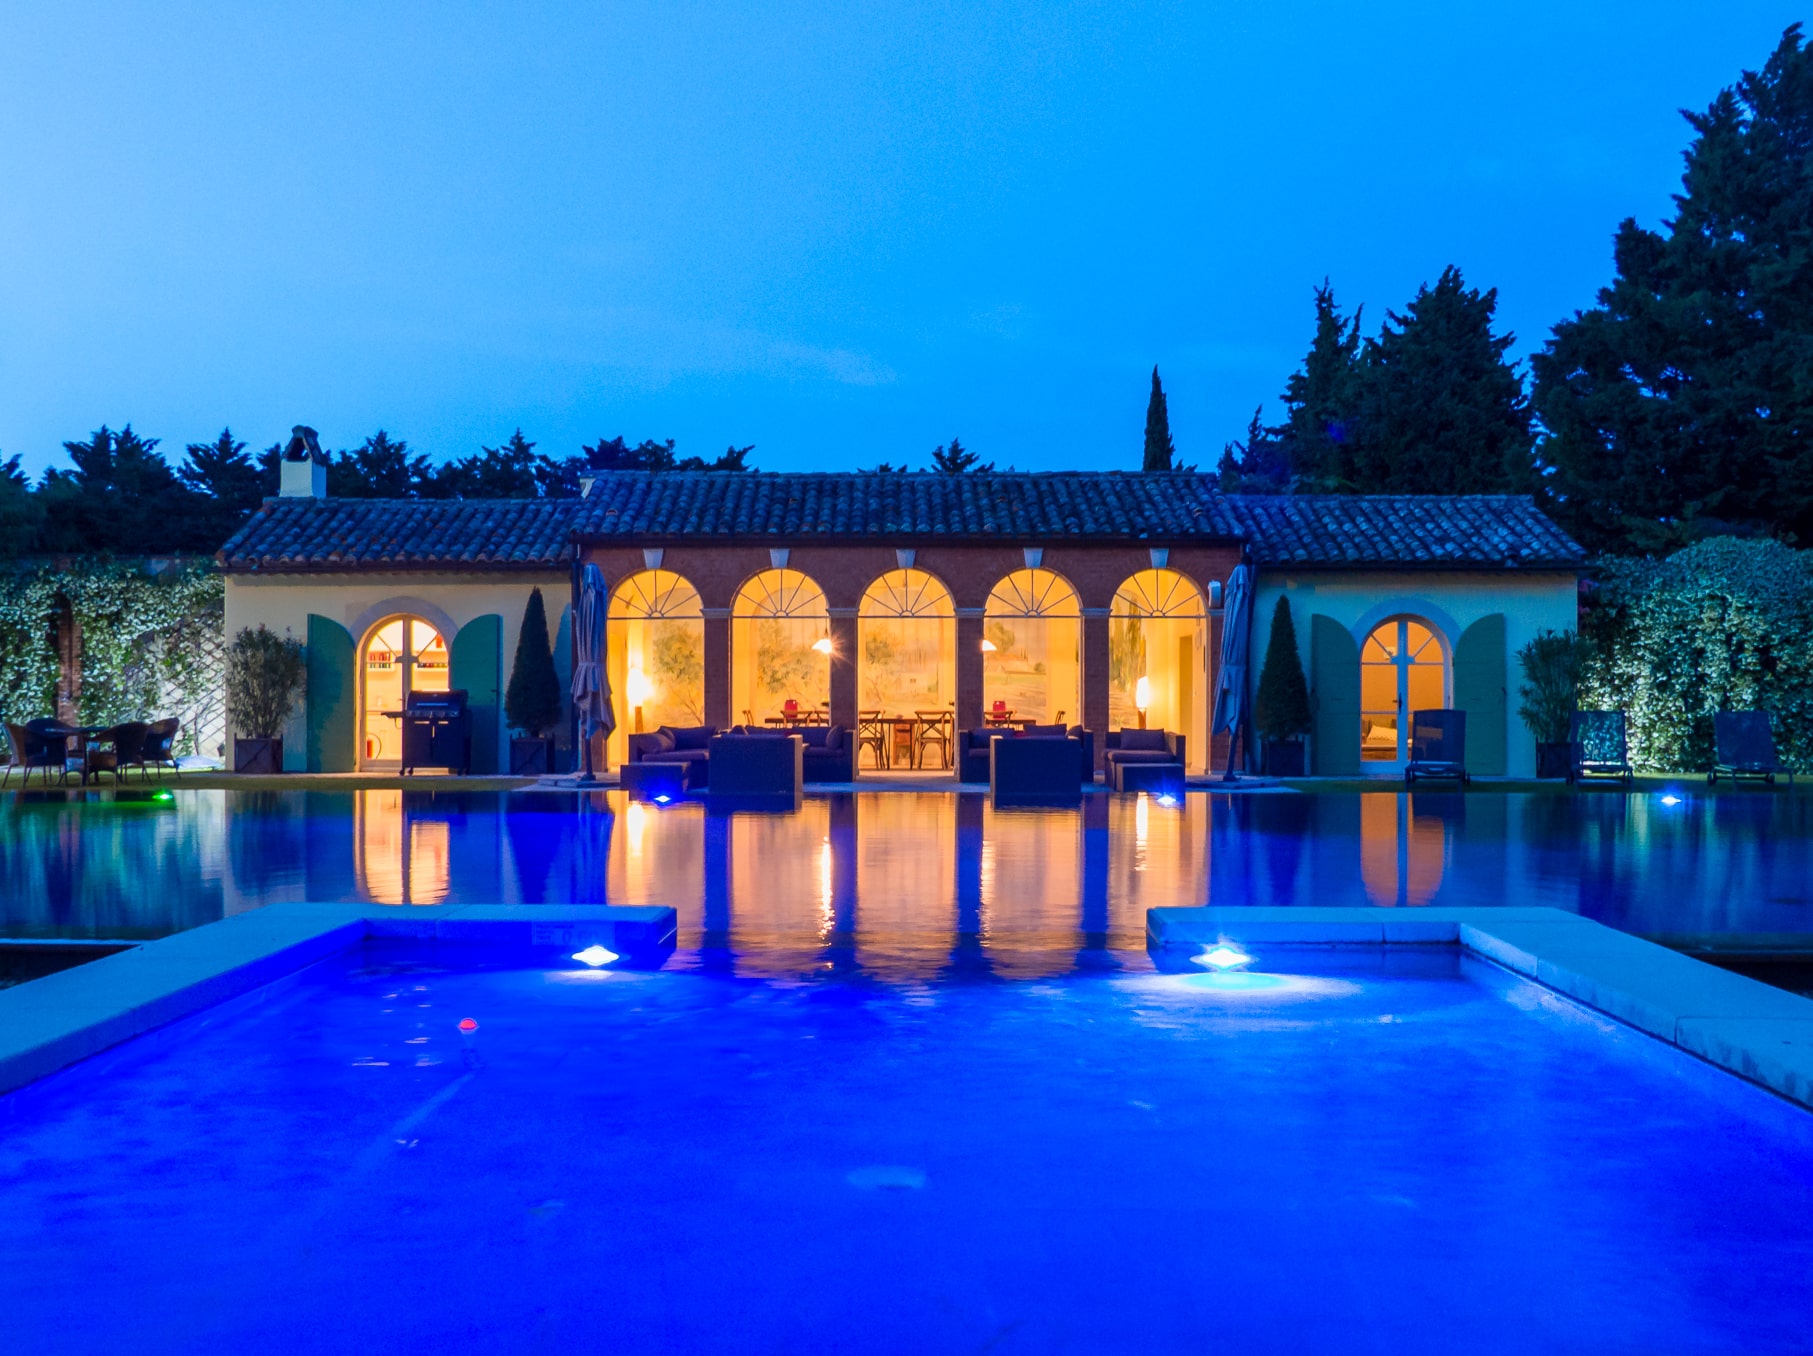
(638,688)
(1142,693)
(988,647)
(822,644)
(595,955)
(1221,956)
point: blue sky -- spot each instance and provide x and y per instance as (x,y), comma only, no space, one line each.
(841,233)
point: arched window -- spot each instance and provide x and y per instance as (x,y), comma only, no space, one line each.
(399,656)
(780,650)
(906,640)
(1031,650)
(1158,631)
(654,655)
(1403,668)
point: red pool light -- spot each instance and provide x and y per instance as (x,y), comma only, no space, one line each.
(467,1024)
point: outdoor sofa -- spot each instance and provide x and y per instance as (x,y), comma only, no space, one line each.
(765,764)
(1144,760)
(829,752)
(973,749)
(687,745)
(1034,768)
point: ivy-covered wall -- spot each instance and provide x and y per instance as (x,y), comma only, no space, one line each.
(115,641)
(1725,625)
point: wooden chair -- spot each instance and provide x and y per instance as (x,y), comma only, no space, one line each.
(872,733)
(934,727)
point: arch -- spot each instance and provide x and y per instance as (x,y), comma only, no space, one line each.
(780,649)
(906,645)
(1404,663)
(654,655)
(1032,640)
(399,653)
(404,605)
(1158,630)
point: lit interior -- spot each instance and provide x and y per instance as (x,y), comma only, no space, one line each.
(1402,670)
(1034,622)
(655,636)
(776,625)
(402,655)
(1158,631)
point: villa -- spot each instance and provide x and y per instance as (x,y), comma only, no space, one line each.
(1092,598)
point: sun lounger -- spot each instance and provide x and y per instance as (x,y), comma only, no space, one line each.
(1438,747)
(1601,747)
(1744,746)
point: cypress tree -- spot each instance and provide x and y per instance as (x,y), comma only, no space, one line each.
(1281,707)
(1321,400)
(532,701)
(1682,403)
(1159,449)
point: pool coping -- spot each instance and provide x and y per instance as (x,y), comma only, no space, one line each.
(60,1019)
(1758,1032)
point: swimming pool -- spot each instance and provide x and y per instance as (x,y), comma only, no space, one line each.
(935,878)
(1377,1151)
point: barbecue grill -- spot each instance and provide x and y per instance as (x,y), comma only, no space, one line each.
(437,731)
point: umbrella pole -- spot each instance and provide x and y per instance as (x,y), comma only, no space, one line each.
(586,778)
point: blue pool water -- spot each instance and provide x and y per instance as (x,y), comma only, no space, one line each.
(1381,1152)
(935,875)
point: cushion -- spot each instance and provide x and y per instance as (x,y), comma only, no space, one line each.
(1047,730)
(661,741)
(1147,740)
(689,736)
(813,736)
(678,756)
(1139,756)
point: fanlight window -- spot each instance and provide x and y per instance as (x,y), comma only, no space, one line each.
(1158,593)
(1033,593)
(781,593)
(651,595)
(907,593)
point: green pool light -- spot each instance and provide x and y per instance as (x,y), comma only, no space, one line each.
(164,795)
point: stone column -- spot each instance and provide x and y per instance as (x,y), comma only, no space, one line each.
(969,669)
(717,667)
(1095,678)
(843,668)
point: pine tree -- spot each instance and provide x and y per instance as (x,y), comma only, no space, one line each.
(122,498)
(227,485)
(1260,465)
(1321,402)
(513,471)
(381,468)
(1159,448)
(532,700)
(20,511)
(958,459)
(1281,705)
(1441,410)
(1682,403)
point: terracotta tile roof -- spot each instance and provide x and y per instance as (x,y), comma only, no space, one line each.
(403,534)
(1017,506)
(1503,531)
(1311,531)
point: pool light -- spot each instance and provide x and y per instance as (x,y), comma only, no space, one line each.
(1671,799)
(662,799)
(1221,956)
(595,956)
(468,1025)
(1168,800)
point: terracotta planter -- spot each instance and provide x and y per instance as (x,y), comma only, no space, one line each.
(258,757)
(1554,760)
(1284,757)
(531,757)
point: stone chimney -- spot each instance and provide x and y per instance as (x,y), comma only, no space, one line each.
(304,466)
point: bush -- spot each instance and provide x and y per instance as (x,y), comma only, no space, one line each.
(1552,665)
(1281,710)
(1725,625)
(532,701)
(266,673)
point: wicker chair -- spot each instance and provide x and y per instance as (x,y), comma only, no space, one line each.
(30,751)
(160,746)
(128,740)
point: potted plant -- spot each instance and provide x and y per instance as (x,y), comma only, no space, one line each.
(1281,709)
(265,675)
(1550,694)
(532,700)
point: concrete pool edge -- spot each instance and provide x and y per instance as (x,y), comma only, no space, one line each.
(50,1023)
(1748,1028)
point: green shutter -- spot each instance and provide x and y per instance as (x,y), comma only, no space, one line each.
(1334,662)
(1479,690)
(476,662)
(333,698)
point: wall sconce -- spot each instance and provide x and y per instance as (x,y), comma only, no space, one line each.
(1142,698)
(988,647)
(823,645)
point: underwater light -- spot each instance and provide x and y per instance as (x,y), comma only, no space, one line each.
(595,955)
(164,795)
(1223,957)
(662,800)
(468,1025)
(1671,800)
(1168,801)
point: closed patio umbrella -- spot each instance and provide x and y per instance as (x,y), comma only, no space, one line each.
(591,685)
(1236,634)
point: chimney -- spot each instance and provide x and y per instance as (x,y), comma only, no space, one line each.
(303,468)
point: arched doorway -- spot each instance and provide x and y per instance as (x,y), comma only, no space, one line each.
(906,653)
(780,650)
(1403,668)
(397,657)
(1032,636)
(1158,630)
(654,655)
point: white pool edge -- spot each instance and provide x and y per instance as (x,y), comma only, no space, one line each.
(50,1023)
(1748,1028)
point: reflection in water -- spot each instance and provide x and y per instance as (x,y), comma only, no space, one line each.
(920,883)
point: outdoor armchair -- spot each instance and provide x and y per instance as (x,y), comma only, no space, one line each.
(29,751)
(1744,746)
(159,748)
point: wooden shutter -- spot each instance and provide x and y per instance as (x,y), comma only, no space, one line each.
(475,663)
(333,697)
(1479,690)
(1334,661)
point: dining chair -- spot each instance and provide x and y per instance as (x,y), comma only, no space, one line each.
(871,733)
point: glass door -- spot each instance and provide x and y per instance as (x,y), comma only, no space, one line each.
(1401,671)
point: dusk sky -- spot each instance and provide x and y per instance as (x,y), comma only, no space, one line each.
(840,233)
